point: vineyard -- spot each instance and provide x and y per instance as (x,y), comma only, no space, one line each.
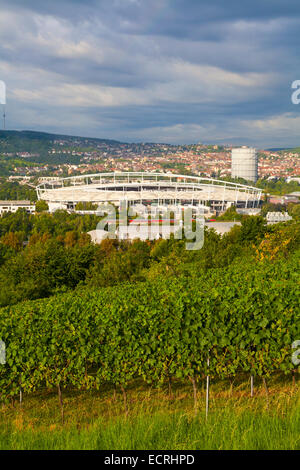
(229,321)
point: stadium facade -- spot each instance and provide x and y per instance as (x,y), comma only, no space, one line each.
(148,189)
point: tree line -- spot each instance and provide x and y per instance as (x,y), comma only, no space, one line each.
(44,254)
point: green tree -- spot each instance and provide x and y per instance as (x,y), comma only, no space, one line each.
(253,229)
(41,206)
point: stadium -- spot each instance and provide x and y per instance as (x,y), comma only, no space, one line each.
(147,189)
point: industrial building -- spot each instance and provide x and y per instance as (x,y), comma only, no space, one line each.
(161,189)
(244,163)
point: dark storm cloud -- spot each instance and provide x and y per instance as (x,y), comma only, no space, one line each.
(172,70)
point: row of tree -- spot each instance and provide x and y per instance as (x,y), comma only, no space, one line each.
(243,319)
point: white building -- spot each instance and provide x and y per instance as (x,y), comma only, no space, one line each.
(13,206)
(276,217)
(293,178)
(222,227)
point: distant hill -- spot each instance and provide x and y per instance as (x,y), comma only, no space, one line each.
(25,140)
(39,144)
(277,149)
(25,149)
(51,137)
(289,149)
(294,150)
(68,148)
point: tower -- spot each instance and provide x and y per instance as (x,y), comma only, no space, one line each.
(244,163)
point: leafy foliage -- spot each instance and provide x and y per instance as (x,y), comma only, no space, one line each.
(15,191)
(244,318)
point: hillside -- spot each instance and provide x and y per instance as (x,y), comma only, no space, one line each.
(40,143)
(16,141)
(53,149)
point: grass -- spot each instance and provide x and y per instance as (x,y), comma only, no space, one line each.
(95,420)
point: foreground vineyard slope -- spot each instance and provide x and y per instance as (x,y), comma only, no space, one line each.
(117,340)
(243,319)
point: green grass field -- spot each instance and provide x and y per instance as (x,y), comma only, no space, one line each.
(156,420)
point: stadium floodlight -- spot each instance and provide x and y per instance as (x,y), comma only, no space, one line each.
(2,92)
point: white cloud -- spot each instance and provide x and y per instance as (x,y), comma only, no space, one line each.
(276,125)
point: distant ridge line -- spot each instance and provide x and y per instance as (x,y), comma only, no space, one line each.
(47,135)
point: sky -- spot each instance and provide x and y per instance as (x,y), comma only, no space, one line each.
(174,71)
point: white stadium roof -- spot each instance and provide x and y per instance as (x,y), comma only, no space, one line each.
(146,187)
